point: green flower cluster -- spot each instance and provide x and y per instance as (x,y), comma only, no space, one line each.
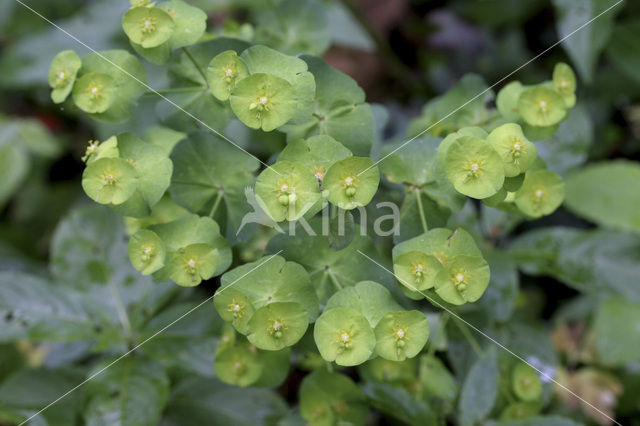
(106,85)
(272,306)
(442,265)
(364,321)
(525,389)
(502,168)
(154,30)
(539,108)
(266,89)
(311,172)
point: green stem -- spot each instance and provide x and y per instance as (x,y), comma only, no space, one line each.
(467,335)
(216,203)
(191,89)
(195,64)
(423,219)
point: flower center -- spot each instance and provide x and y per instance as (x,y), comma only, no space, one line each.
(94,91)
(228,72)
(109,178)
(543,105)
(148,24)
(474,168)
(264,100)
(538,194)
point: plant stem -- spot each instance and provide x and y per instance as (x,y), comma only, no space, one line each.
(216,203)
(195,64)
(334,280)
(423,219)
(467,335)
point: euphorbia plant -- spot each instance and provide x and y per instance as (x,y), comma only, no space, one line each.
(184,187)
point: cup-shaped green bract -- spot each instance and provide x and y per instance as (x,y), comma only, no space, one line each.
(474,168)
(235,307)
(541,106)
(109,180)
(148,26)
(507,100)
(62,74)
(526,383)
(516,151)
(318,153)
(146,251)
(512,184)
(464,279)
(94,92)
(278,325)
(352,182)
(541,193)
(344,335)
(417,270)
(192,264)
(153,174)
(223,72)
(564,82)
(238,365)
(106,149)
(519,411)
(401,335)
(369,298)
(263,101)
(286,190)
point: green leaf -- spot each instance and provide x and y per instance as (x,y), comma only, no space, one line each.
(339,110)
(499,299)
(330,270)
(584,46)
(605,193)
(190,23)
(621,49)
(551,420)
(479,390)
(14,166)
(210,176)
(238,365)
(352,182)
(295,27)
(369,298)
(591,261)
(341,230)
(132,391)
(196,401)
(224,72)
(616,330)
(318,153)
(413,163)
(467,113)
(400,404)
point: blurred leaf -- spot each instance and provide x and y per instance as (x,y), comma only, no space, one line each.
(617,332)
(345,29)
(14,166)
(341,230)
(569,147)
(541,421)
(480,389)
(607,194)
(197,401)
(584,46)
(132,391)
(590,261)
(31,307)
(622,50)
(413,163)
(294,27)
(400,404)
(27,391)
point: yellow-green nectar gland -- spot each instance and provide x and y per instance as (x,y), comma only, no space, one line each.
(538,196)
(460,280)
(474,169)
(319,174)
(148,24)
(262,103)
(418,271)
(517,149)
(345,339)
(60,79)
(286,194)
(340,408)
(543,105)
(350,186)
(276,328)
(147,252)
(190,266)
(94,91)
(238,367)
(236,308)
(442,258)
(109,178)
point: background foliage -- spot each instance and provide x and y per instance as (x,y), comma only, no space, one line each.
(564,289)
